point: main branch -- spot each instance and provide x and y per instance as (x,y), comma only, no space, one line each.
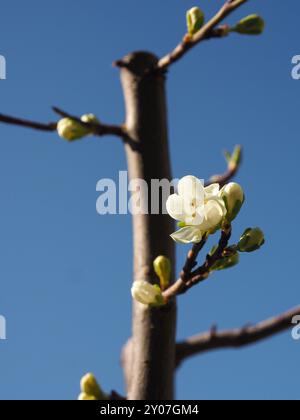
(150,358)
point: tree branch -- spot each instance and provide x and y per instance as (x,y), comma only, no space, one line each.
(208,31)
(28,124)
(98,129)
(237,338)
(189,278)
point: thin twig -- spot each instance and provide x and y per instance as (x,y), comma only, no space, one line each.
(189,278)
(232,170)
(209,30)
(191,260)
(28,124)
(236,338)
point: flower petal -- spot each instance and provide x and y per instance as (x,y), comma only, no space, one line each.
(214,213)
(175,207)
(191,188)
(196,218)
(212,191)
(187,235)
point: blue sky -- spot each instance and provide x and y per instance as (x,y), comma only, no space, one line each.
(66,301)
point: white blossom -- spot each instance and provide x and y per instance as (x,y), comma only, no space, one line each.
(199,210)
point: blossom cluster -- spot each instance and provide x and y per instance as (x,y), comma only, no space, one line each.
(201,210)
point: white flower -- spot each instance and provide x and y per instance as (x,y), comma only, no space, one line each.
(198,209)
(146,293)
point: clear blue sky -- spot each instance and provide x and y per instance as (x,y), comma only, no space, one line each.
(66,300)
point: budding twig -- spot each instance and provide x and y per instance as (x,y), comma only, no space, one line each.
(189,278)
(98,129)
(235,338)
(210,30)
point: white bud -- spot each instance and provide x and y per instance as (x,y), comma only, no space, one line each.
(146,293)
(70,129)
(234,197)
(90,118)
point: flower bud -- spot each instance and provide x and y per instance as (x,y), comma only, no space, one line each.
(227,262)
(234,198)
(71,130)
(89,386)
(86,397)
(163,268)
(250,25)
(147,294)
(251,240)
(195,20)
(235,159)
(90,118)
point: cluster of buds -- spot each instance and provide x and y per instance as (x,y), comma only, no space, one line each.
(70,129)
(250,25)
(202,211)
(90,389)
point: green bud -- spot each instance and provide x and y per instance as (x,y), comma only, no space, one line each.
(195,20)
(236,158)
(227,262)
(250,25)
(251,240)
(163,268)
(71,130)
(181,225)
(89,386)
(234,198)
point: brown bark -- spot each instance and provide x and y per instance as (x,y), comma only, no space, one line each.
(152,361)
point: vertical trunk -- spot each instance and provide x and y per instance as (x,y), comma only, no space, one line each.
(153,345)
